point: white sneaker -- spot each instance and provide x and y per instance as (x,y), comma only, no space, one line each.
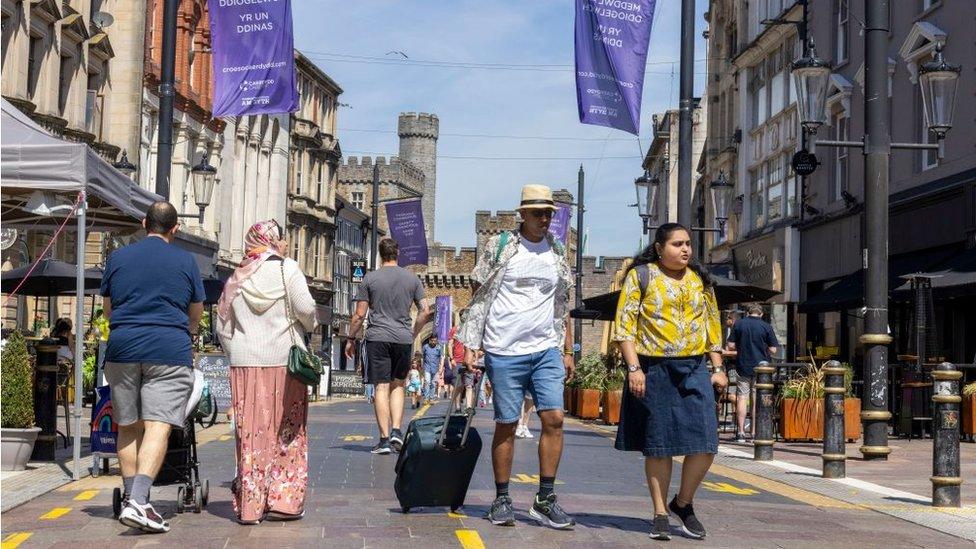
(520,432)
(526,433)
(143,517)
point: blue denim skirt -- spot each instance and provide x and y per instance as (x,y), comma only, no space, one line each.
(676,416)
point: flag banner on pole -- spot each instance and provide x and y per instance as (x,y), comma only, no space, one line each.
(612,38)
(442,320)
(253,57)
(559,227)
(406,222)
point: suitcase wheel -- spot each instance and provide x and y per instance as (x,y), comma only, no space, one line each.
(405,510)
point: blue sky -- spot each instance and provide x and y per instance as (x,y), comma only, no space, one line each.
(539,102)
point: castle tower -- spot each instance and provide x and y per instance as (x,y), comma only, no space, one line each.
(418,146)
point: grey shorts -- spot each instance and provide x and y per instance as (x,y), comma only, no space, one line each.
(743,386)
(149,392)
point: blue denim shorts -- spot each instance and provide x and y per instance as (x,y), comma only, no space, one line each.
(541,375)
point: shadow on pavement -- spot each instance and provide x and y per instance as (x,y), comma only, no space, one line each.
(628,524)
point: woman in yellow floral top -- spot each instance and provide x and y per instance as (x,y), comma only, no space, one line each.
(668,328)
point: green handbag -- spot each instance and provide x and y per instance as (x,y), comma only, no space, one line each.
(302,365)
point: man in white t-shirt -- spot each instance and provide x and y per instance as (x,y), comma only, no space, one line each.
(518,318)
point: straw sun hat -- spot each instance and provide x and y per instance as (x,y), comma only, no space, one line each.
(537,197)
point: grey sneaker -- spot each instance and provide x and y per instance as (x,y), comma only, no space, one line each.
(549,513)
(396,440)
(382,447)
(143,517)
(689,523)
(661,529)
(501,512)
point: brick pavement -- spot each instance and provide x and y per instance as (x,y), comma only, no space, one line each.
(351,504)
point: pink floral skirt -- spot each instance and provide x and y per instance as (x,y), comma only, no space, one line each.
(270,409)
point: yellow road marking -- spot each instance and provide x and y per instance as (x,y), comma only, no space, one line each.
(55,513)
(523,478)
(356,438)
(457,515)
(224,438)
(86,495)
(423,410)
(469,539)
(728,488)
(15,539)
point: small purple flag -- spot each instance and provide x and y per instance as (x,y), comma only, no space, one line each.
(253,57)
(612,38)
(559,227)
(442,321)
(406,222)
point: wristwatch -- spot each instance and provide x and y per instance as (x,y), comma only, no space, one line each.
(632,368)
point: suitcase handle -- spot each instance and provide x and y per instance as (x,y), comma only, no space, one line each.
(469,412)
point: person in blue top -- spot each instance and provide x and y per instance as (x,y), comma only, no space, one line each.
(754,341)
(433,367)
(153,296)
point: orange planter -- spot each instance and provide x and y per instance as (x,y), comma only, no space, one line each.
(574,401)
(611,407)
(969,415)
(802,420)
(588,403)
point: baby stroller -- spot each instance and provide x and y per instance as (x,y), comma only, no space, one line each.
(180,464)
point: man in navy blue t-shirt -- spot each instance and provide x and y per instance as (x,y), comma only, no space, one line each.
(754,341)
(153,296)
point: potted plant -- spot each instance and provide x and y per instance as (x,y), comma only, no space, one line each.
(88,380)
(969,411)
(17,412)
(801,406)
(589,377)
(613,388)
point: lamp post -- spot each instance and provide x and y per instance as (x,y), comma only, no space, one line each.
(648,191)
(938,80)
(123,165)
(204,177)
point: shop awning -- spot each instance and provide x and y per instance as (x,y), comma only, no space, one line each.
(956,276)
(848,291)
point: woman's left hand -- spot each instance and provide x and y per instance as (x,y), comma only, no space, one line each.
(720,380)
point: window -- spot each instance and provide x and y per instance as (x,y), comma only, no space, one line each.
(318,185)
(64,83)
(294,233)
(358,200)
(774,197)
(757,95)
(777,88)
(929,4)
(298,171)
(757,196)
(842,34)
(316,252)
(842,132)
(790,185)
(34,56)
(927,159)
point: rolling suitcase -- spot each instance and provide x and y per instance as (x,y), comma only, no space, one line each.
(437,460)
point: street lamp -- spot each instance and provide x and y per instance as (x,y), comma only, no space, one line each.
(123,165)
(647,189)
(204,177)
(938,81)
(811,76)
(722,190)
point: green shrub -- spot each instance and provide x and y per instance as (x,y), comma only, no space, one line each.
(969,390)
(590,372)
(17,389)
(614,380)
(807,383)
(88,372)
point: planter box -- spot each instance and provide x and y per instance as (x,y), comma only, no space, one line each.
(16,446)
(611,407)
(969,415)
(588,403)
(802,420)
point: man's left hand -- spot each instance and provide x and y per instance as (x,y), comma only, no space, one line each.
(720,380)
(570,364)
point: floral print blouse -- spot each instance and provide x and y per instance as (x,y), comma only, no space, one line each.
(669,318)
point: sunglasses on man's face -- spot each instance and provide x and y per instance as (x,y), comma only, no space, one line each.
(540,213)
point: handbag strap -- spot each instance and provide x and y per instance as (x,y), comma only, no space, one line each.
(288,315)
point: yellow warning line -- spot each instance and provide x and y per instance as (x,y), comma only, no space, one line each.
(456,515)
(15,539)
(423,410)
(86,495)
(55,513)
(469,539)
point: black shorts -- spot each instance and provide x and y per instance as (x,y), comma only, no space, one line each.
(387,361)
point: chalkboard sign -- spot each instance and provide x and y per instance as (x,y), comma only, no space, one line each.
(346,382)
(216,370)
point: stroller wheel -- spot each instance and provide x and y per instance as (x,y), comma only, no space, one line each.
(180,505)
(116,502)
(205,497)
(197,498)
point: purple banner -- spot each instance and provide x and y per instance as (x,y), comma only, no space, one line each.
(442,320)
(559,227)
(406,223)
(253,57)
(612,37)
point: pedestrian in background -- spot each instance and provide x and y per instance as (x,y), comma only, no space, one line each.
(667,322)
(753,341)
(433,367)
(264,309)
(387,294)
(153,296)
(519,317)
(415,382)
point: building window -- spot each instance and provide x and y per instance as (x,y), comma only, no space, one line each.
(842,132)
(34,57)
(316,253)
(758,98)
(319,184)
(777,88)
(927,159)
(294,234)
(64,84)
(757,196)
(929,4)
(790,185)
(298,172)
(843,31)
(774,195)
(359,200)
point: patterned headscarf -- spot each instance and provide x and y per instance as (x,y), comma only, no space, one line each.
(263,240)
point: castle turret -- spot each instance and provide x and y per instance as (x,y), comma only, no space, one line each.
(418,146)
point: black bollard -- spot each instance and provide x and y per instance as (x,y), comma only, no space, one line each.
(763,441)
(945,436)
(834,450)
(45,400)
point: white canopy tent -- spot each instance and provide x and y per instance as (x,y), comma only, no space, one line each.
(41,178)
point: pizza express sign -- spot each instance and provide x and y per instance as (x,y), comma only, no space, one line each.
(758,263)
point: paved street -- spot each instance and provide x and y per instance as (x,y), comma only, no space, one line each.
(351,503)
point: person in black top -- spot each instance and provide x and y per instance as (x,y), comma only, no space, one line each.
(754,341)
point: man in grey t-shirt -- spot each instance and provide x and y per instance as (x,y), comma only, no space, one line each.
(388,294)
